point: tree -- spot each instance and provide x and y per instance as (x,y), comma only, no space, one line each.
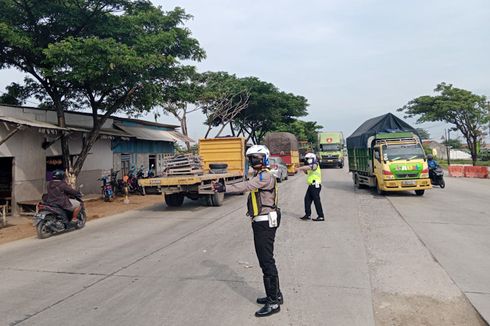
(454,143)
(105,55)
(223,97)
(28,27)
(424,134)
(268,109)
(467,112)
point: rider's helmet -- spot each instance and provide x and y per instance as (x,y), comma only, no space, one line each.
(430,157)
(58,175)
(258,156)
(310,158)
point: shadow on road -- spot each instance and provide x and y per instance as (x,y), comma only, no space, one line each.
(232,279)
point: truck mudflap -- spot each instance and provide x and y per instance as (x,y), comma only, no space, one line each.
(403,185)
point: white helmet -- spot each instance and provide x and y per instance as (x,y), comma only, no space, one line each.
(259,151)
(310,158)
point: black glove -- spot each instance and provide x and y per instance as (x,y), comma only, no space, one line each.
(219,187)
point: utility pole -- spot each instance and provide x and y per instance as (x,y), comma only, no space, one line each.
(448,148)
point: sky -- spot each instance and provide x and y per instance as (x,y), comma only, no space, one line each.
(352,59)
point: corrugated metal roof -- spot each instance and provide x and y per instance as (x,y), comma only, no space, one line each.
(154,134)
(31,123)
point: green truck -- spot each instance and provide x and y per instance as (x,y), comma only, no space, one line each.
(331,149)
(386,153)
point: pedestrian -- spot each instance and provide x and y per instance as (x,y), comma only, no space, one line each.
(314,180)
(265,217)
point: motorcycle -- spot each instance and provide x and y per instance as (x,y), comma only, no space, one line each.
(107,190)
(133,185)
(436,176)
(50,219)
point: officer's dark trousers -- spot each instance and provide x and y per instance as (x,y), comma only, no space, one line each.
(264,237)
(313,195)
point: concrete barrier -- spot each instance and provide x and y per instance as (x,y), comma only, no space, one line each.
(456,171)
(476,172)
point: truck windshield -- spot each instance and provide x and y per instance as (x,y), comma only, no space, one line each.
(329,147)
(402,152)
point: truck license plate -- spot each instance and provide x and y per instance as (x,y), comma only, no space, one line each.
(409,183)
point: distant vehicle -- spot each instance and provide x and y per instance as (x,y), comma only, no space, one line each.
(285,146)
(386,153)
(331,149)
(279,169)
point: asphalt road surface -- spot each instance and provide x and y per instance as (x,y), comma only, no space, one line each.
(394,260)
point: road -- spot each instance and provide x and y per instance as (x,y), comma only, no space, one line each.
(375,261)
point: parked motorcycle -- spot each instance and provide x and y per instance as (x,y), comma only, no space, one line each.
(133,185)
(50,220)
(107,190)
(437,177)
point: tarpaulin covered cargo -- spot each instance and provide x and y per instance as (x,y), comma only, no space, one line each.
(388,123)
(278,142)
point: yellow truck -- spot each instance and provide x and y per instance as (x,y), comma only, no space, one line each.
(223,160)
(385,153)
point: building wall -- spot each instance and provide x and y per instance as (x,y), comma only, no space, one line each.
(28,175)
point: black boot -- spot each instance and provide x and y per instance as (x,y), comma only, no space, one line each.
(280,299)
(272,305)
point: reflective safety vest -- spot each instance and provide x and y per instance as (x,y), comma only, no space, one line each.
(254,202)
(314,176)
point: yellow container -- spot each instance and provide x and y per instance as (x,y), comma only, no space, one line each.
(229,150)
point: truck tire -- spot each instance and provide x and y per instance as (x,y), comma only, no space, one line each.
(218,198)
(207,200)
(174,200)
(357,183)
(419,192)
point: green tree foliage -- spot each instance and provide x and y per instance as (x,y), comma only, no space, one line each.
(453,143)
(424,134)
(268,109)
(105,55)
(467,112)
(303,130)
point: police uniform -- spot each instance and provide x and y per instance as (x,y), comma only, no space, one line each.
(262,200)
(314,181)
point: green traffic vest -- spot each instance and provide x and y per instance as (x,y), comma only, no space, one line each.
(315,176)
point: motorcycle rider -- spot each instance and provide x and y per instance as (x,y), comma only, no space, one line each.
(432,164)
(59,193)
(265,215)
(314,180)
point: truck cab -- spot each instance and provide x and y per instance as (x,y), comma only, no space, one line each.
(399,164)
(331,149)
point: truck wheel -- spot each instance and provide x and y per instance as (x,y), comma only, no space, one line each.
(207,200)
(419,192)
(174,200)
(357,183)
(218,198)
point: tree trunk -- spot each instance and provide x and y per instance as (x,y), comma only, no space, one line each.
(65,148)
(183,125)
(473,149)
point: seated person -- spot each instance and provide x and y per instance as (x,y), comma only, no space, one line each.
(59,193)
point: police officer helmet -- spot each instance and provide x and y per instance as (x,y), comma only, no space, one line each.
(58,175)
(310,158)
(258,155)
(430,157)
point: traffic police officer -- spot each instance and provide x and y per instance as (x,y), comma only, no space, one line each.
(265,215)
(314,180)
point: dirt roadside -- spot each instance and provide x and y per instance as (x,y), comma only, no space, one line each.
(21,227)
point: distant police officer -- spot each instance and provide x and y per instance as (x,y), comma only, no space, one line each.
(265,215)
(314,180)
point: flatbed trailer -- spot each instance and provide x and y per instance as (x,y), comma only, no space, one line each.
(195,187)
(217,151)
